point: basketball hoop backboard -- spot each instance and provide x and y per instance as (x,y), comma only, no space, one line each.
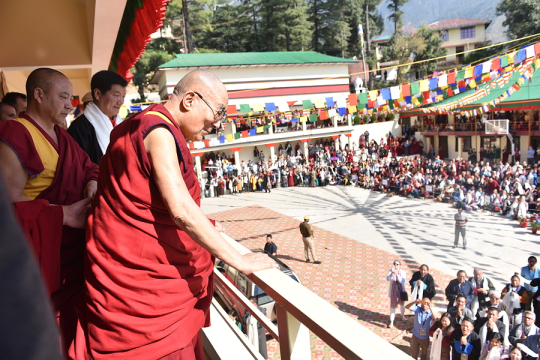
(497,127)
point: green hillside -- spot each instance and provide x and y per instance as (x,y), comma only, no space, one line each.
(428,11)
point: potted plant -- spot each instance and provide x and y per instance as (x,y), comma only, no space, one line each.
(535,224)
(522,221)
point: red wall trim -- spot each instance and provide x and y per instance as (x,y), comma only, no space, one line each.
(288,91)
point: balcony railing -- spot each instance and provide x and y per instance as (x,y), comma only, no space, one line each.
(299,309)
(306,129)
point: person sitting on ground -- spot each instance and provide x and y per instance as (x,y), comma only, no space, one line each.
(270,247)
(460,285)
(485,326)
(465,342)
(527,328)
(494,348)
(422,284)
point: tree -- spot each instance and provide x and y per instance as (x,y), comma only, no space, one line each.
(522,17)
(402,47)
(397,14)
(145,67)
(299,28)
(231,30)
(432,49)
(483,54)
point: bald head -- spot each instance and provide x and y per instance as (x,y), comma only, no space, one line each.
(198,80)
(42,78)
(198,104)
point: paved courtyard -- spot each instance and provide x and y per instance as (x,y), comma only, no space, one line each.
(358,234)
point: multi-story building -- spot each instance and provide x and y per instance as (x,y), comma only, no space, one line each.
(281,80)
(459,35)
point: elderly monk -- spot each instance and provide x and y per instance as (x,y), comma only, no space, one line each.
(44,167)
(150,248)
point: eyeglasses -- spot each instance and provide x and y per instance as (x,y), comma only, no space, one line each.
(396,264)
(219,115)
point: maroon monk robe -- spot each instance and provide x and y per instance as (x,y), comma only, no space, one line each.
(148,284)
(59,249)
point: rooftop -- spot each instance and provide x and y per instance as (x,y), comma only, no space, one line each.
(252,59)
(457,23)
(384,38)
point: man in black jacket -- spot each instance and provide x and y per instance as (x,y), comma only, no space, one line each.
(485,326)
(465,342)
(424,280)
(92,129)
(270,247)
(460,285)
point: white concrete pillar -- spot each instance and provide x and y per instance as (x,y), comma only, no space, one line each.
(460,147)
(271,129)
(350,143)
(198,167)
(237,158)
(349,120)
(334,120)
(336,143)
(306,149)
(478,144)
(304,127)
(233,129)
(273,153)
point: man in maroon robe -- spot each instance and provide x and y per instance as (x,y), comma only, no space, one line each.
(44,167)
(150,248)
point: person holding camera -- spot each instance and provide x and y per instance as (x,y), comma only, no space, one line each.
(397,293)
(422,323)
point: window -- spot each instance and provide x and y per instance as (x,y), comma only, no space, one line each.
(460,57)
(488,143)
(444,35)
(467,32)
(467,144)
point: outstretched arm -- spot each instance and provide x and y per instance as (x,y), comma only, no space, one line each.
(161,149)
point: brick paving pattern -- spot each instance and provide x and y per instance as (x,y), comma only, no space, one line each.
(352,276)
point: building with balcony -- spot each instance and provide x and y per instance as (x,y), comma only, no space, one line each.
(282,80)
(459,35)
(452,135)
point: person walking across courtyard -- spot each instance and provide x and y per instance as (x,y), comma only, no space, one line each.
(307,238)
(461,223)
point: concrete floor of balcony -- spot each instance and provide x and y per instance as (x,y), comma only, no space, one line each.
(357,235)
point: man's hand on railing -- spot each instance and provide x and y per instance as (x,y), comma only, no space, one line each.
(254,262)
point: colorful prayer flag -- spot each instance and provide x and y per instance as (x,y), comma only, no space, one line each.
(330,101)
(258,107)
(319,103)
(270,106)
(307,104)
(353,100)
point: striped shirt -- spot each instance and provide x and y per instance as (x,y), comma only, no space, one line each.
(461,220)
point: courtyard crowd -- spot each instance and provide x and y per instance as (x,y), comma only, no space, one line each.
(478,321)
(394,165)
